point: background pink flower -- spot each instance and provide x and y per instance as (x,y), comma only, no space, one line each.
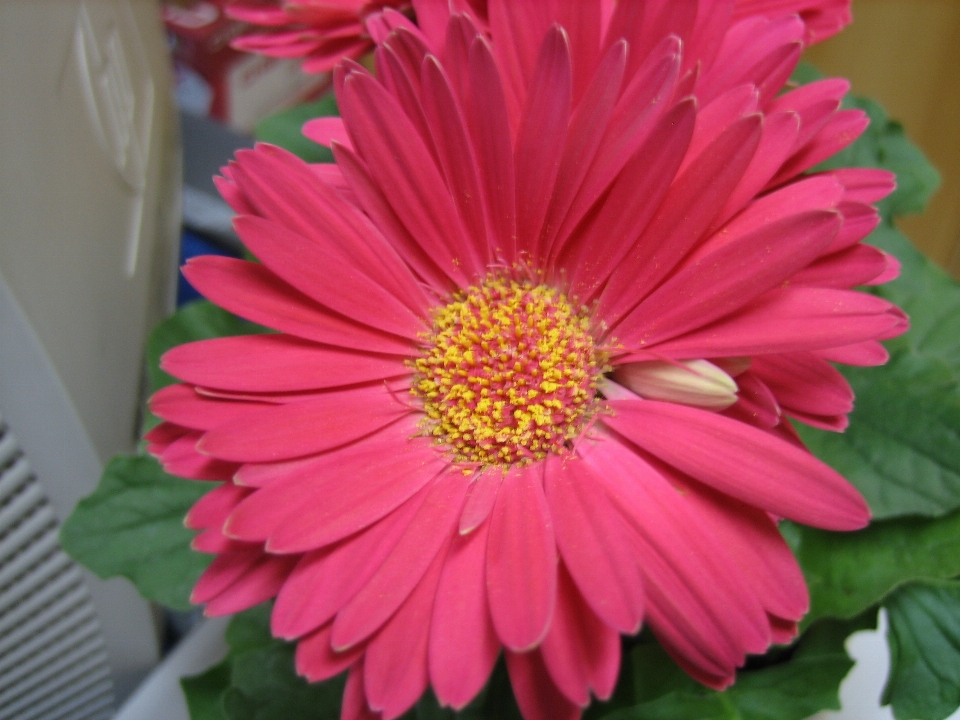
(324,31)
(653,265)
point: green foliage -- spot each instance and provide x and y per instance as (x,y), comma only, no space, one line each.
(849,572)
(263,682)
(924,639)
(283,129)
(204,692)
(797,682)
(132,525)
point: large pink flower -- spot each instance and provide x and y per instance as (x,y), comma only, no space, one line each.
(539,333)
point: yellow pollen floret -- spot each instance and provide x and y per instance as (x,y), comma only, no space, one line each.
(508,374)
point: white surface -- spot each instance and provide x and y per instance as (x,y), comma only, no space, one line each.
(89,183)
(861,690)
(160,696)
(89,194)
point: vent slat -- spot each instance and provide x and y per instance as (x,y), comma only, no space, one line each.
(44,634)
(63,608)
(90,703)
(53,662)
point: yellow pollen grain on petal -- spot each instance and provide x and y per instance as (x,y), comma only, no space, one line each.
(508,373)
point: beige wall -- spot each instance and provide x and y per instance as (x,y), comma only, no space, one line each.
(906,55)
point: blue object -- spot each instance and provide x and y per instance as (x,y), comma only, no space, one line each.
(191,245)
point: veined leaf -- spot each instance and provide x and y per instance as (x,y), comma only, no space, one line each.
(924,639)
(132,525)
(849,572)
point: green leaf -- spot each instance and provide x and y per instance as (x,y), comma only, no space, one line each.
(204,692)
(798,682)
(132,525)
(284,129)
(849,572)
(264,684)
(924,639)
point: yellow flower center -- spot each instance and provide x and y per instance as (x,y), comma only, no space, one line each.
(509,373)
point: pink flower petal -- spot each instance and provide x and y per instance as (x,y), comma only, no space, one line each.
(354,487)
(324,130)
(789,320)
(182,458)
(404,170)
(212,509)
(717,116)
(543,127)
(687,210)
(395,663)
(480,500)
(595,251)
(301,428)
(867,354)
(866,185)
(844,127)
(757,547)
(317,661)
(253,292)
(463,643)
(591,540)
(635,117)
(286,191)
(776,143)
(181,404)
(581,652)
(805,383)
(433,269)
(354,705)
(275,363)
(261,582)
(729,277)
(325,580)
(521,560)
(457,159)
(489,125)
(307,265)
(586,132)
(696,593)
(429,531)
(743,462)
(537,696)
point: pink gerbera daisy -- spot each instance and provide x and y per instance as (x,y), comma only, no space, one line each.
(321,31)
(539,332)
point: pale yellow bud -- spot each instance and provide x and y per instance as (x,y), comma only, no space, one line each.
(692,382)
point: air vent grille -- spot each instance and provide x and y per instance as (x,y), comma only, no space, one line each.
(53,662)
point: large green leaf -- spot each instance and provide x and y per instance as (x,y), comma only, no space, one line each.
(263,682)
(284,129)
(924,638)
(204,692)
(800,681)
(132,525)
(849,572)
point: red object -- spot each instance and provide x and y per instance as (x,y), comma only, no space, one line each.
(218,81)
